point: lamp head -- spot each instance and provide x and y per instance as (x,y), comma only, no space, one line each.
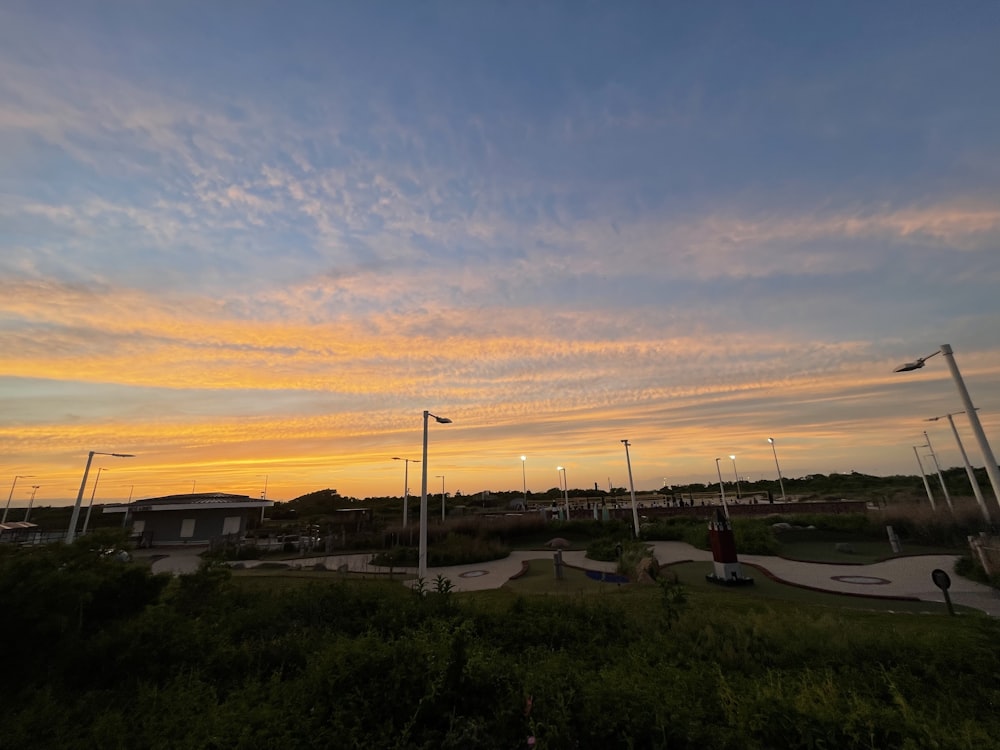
(771,441)
(915,365)
(732,457)
(524,458)
(123,455)
(442,420)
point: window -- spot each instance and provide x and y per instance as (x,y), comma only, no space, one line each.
(231,525)
(187,528)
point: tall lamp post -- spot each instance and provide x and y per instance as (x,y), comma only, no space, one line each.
(406,484)
(631,487)
(524,482)
(937,467)
(977,428)
(923,475)
(968,467)
(71,532)
(735,474)
(12,486)
(722,488)
(781,482)
(422,552)
(90,505)
(565,485)
(31,502)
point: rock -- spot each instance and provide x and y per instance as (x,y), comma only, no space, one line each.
(646,570)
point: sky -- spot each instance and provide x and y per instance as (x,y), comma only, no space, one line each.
(252,242)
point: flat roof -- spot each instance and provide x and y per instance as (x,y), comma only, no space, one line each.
(190,501)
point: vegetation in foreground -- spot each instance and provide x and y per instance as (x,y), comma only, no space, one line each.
(109,655)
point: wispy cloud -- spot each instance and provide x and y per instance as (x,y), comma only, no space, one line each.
(265,253)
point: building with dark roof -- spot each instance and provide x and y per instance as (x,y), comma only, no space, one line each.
(190,519)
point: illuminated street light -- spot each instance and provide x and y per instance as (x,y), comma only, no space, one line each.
(977,428)
(422,552)
(524,482)
(90,505)
(968,467)
(631,487)
(735,474)
(12,485)
(781,482)
(406,484)
(722,488)
(923,475)
(71,532)
(937,466)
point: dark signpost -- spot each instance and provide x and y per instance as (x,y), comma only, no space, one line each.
(943,581)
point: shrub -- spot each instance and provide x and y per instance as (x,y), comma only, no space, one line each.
(754,536)
(606,549)
(456,549)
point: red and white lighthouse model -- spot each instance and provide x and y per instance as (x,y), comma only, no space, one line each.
(727,566)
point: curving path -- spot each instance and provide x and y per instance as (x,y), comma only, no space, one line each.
(899,577)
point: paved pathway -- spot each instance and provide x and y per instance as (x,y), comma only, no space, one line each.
(899,577)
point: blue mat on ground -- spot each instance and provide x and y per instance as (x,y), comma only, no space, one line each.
(600,575)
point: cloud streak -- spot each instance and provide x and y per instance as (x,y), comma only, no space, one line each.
(267,254)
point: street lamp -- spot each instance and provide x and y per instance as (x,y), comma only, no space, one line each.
(937,466)
(441,477)
(781,482)
(977,428)
(631,486)
(565,484)
(735,474)
(923,475)
(12,485)
(406,483)
(27,513)
(722,488)
(90,506)
(524,482)
(968,467)
(422,552)
(71,532)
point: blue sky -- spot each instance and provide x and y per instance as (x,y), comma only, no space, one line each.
(260,238)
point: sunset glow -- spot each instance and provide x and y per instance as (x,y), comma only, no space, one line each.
(260,244)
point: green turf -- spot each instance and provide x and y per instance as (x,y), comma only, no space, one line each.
(820,546)
(540,579)
(693,574)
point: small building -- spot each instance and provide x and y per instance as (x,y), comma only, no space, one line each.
(189,519)
(17,532)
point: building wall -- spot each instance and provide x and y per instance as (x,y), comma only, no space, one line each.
(166,526)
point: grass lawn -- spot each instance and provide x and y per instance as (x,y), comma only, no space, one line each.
(820,546)
(540,580)
(692,574)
